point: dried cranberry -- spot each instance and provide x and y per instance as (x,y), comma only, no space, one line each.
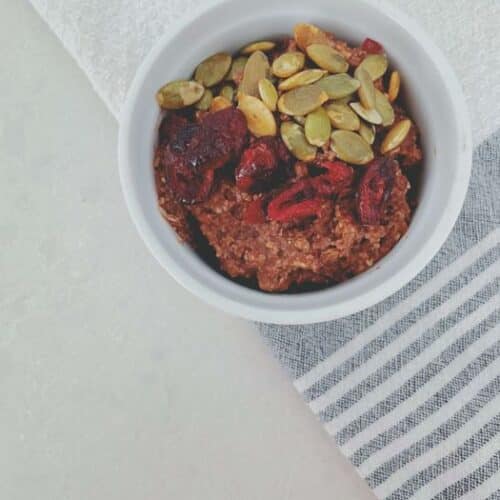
(262,164)
(254,213)
(338,177)
(169,126)
(196,148)
(297,202)
(305,197)
(211,143)
(374,189)
(228,128)
(372,46)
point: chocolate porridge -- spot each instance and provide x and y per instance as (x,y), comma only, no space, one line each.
(292,165)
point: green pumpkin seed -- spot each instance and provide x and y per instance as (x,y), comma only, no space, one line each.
(213,69)
(260,120)
(375,64)
(228,92)
(344,100)
(236,72)
(303,78)
(288,64)
(295,140)
(264,46)
(384,108)
(394,86)
(338,86)
(219,102)
(256,68)
(351,147)
(204,103)
(179,94)
(307,34)
(318,127)
(369,115)
(343,117)
(302,100)
(327,58)
(268,93)
(367,132)
(366,90)
(395,136)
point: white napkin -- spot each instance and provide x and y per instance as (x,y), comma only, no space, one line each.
(110,38)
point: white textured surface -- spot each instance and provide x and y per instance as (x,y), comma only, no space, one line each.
(115,383)
(109,39)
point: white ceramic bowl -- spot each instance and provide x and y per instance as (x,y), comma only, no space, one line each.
(436,103)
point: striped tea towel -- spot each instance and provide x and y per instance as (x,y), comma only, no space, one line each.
(409,389)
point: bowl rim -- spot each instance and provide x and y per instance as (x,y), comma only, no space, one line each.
(273,308)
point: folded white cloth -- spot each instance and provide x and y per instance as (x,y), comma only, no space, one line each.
(110,38)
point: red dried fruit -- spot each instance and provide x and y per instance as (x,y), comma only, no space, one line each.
(305,197)
(295,203)
(338,177)
(374,189)
(262,164)
(196,148)
(372,46)
(211,143)
(254,213)
(169,126)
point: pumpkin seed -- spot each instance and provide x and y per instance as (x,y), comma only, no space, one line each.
(256,68)
(302,100)
(343,117)
(213,69)
(375,64)
(220,102)
(318,127)
(264,46)
(260,120)
(344,100)
(288,64)
(236,72)
(369,115)
(395,136)
(295,140)
(307,34)
(179,94)
(384,108)
(351,147)
(228,92)
(394,86)
(367,132)
(367,89)
(268,93)
(327,58)
(338,86)
(303,78)
(204,103)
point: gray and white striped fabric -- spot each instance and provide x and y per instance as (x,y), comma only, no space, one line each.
(410,389)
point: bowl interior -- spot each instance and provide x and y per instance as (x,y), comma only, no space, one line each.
(431,93)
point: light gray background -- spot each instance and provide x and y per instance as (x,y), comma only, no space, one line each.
(115,383)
